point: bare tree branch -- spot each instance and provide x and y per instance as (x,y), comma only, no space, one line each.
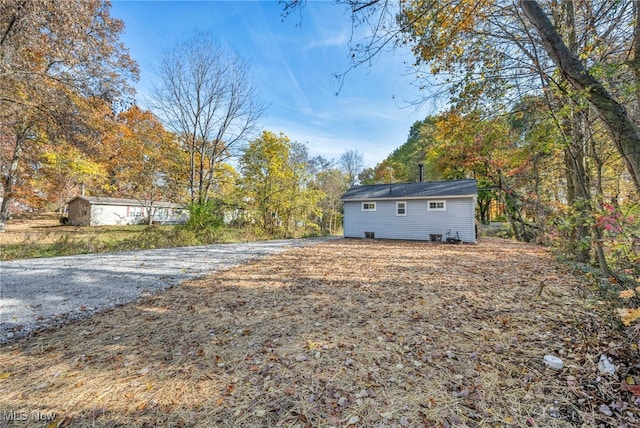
(205,95)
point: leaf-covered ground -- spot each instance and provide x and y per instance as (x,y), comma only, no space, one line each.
(345,333)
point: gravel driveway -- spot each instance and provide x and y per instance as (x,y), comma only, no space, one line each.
(39,293)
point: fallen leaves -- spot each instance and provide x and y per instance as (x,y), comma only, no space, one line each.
(347,333)
(628,315)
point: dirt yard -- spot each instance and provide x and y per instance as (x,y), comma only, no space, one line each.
(346,333)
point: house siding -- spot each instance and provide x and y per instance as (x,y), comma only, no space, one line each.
(102,215)
(85,212)
(417,224)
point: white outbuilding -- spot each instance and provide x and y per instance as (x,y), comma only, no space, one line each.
(99,211)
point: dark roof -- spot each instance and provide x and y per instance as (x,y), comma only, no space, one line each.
(428,189)
(99,200)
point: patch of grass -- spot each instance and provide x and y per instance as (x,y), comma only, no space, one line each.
(41,235)
(116,238)
(64,244)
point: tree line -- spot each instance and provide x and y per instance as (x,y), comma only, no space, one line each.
(70,126)
(542,106)
(540,103)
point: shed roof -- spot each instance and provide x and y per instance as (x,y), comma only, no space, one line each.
(430,189)
(99,200)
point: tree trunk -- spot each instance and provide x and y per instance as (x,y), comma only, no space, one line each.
(9,181)
(191,142)
(201,171)
(575,155)
(619,125)
(541,216)
(599,197)
(636,54)
(483,209)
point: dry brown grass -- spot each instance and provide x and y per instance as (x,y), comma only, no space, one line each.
(349,332)
(45,228)
(32,227)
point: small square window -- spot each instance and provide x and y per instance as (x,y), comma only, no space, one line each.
(401,208)
(368,206)
(135,212)
(437,206)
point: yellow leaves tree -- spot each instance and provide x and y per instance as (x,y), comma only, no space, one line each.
(440,32)
(65,172)
(470,144)
(275,185)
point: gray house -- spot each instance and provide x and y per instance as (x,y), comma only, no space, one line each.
(98,211)
(435,211)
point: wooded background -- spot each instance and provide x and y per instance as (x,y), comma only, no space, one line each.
(540,103)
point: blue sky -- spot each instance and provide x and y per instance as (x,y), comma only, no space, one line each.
(293,62)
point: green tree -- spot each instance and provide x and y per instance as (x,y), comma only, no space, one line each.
(407,158)
(367,176)
(275,186)
(332,182)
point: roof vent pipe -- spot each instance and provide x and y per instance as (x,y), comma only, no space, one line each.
(421,172)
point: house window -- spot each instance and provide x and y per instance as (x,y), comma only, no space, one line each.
(401,208)
(135,212)
(368,206)
(437,206)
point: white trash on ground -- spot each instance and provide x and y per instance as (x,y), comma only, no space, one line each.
(605,366)
(553,362)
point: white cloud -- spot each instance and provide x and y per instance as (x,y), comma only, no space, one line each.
(339,40)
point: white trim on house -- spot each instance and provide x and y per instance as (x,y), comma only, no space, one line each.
(401,208)
(368,206)
(437,205)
